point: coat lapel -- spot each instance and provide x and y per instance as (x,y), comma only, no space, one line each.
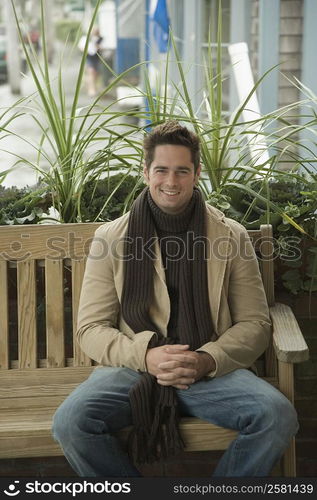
(218,239)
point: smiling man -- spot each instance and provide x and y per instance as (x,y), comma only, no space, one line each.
(171,177)
(174,331)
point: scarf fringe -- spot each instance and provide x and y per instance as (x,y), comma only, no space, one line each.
(163,440)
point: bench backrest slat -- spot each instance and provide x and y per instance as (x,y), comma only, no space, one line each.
(27,338)
(45,253)
(4,316)
(267,251)
(54,291)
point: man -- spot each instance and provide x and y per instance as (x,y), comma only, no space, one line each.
(173,309)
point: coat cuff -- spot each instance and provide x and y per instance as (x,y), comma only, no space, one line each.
(138,351)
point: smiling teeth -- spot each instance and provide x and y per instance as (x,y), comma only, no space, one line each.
(170,192)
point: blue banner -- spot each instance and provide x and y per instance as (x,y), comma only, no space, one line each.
(161,25)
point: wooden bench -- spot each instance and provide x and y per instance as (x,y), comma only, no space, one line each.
(41,271)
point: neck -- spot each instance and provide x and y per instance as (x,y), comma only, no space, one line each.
(175,223)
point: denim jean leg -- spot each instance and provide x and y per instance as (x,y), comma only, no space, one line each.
(263,416)
(84,423)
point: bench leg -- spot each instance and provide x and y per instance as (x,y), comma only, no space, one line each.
(286,385)
(289,460)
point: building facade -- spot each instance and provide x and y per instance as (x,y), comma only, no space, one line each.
(277,32)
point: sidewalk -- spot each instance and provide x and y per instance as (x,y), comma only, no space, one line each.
(25,125)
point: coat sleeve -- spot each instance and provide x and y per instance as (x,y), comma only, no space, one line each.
(98,330)
(250,331)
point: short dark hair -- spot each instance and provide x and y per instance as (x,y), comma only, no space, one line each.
(171,132)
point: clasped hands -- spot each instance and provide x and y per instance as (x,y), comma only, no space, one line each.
(177,366)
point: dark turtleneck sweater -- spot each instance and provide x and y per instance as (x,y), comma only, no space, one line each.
(172,233)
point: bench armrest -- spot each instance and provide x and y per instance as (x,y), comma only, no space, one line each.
(288,340)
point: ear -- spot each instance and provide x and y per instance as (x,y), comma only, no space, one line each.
(197,174)
(145,174)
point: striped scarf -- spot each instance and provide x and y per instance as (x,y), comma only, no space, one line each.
(155,416)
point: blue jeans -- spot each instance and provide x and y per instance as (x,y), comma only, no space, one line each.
(265,419)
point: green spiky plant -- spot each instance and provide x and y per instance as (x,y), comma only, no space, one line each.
(77,145)
(71,134)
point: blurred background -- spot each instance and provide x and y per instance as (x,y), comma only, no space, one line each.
(256,35)
(276,31)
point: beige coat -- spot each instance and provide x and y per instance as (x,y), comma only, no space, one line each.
(237,300)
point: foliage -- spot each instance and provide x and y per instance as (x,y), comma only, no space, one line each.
(77,145)
(295,195)
(117,189)
(22,206)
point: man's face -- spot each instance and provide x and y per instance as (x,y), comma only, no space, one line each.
(171,177)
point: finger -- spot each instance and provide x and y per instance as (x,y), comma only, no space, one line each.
(175,380)
(182,354)
(177,372)
(170,365)
(177,386)
(174,384)
(182,360)
(176,347)
(169,370)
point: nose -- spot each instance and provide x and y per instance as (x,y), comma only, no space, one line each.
(171,179)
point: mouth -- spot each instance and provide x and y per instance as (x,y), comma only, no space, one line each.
(169,192)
